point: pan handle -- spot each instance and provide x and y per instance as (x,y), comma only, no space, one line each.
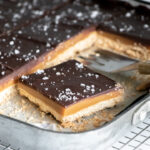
(141,112)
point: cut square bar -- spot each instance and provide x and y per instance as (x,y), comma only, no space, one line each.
(70,90)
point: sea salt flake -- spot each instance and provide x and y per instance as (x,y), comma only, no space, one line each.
(45,28)
(146,26)
(37,12)
(39,71)
(37,51)
(82,84)
(46,89)
(41,84)
(74,98)
(16,51)
(128,14)
(57,19)
(121,29)
(84,91)
(79,65)
(97,76)
(90,75)
(79,14)
(58,73)
(3,73)
(16,16)
(93,90)
(94,14)
(93,86)
(68,36)
(19,32)
(88,87)
(11,42)
(48,44)
(45,78)
(24,77)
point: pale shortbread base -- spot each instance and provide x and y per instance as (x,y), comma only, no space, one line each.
(85,112)
(122,45)
(8,93)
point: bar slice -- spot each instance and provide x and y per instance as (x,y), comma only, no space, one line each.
(70,90)
(67,31)
(5,77)
(6,82)
(14,14)
(124,28)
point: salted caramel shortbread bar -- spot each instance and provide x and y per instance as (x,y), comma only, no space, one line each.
(124,28)
(70,90)
(14,14)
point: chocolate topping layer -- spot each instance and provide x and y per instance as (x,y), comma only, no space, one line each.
(62,23)
(69,83)
(110,16)
(123,19)
(16,52)
(49,32)
(16,13)
(6,76)
(4,71)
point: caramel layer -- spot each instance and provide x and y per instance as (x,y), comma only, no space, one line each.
(123,45)
(72,109)
(6,85)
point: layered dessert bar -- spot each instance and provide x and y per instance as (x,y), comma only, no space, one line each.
(68,30)
(47,33)
(16,53)
(120,27)
(17,56)
(70,90)
(124,28)
(6,82)
(15,14)
(45,42)
(5,77)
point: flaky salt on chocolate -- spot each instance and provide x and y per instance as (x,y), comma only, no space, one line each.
(14,14)
(70,90)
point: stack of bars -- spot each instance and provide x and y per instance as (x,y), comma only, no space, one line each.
(35,35)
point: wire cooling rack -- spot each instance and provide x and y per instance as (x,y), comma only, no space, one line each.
(136,139)
(6,146)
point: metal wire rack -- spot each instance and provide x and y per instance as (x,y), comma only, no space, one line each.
(137,139)
(6,146)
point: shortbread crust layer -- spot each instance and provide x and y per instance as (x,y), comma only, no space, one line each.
(71,113)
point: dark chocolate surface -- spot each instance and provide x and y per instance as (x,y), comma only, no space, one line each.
(16,52)
(62,23)
(49,32)
(4,71)
(16,13)
(120,18)
(111,16)
(68,83)
(123,19)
